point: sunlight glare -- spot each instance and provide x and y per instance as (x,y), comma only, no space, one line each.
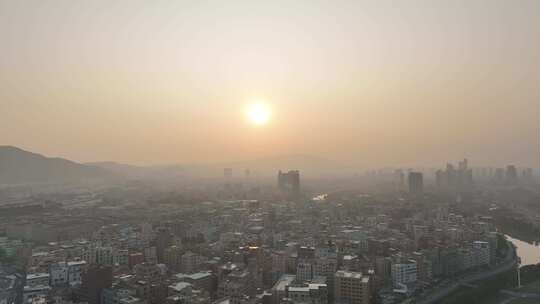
(258,113)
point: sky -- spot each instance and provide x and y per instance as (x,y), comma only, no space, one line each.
(368,83)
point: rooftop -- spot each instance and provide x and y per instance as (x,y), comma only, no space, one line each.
(348,274)
(284,281)
(180,286)
(194,276)
(32,276)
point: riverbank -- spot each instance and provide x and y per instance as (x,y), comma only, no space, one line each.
(488,291)
(529,292)
(485,284)
(484,292)
(516,225)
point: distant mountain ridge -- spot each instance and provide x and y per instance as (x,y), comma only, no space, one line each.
(18,166)
(269,166)
(303,162)
(312,165)
(139,172)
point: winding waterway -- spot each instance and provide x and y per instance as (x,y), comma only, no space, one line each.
(529,253)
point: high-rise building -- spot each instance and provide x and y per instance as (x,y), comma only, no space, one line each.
(120,257)
(481,252)
(289,181)
(173,258)
(190,261)
(351,288)
(499,175)
(104,255)
(399,179)
(527,175)
(135,258)
(75,271)
(306,252)
(94,280)
(424,267)
(12,283)
(511,174)
(416,183)
(463,165)
(150,254)
(326,267)
(440,178)
(163,240)
(58,274)
(404,272)
(304,272)
(66,273)
(451,179)
(147,272)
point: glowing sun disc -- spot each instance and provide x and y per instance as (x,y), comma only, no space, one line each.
(258,114)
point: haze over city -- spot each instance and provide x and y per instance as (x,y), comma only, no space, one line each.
(366,83)
(269,152)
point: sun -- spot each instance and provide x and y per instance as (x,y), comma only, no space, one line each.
(258,113)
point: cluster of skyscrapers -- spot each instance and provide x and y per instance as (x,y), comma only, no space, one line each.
(455,179)
(289,181)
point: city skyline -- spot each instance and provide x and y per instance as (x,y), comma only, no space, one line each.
(269,152)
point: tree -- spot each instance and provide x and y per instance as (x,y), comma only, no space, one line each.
(4,258)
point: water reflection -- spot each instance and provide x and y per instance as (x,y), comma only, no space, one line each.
(321,197)
(529,253)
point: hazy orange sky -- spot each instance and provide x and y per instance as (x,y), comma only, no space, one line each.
(367,82)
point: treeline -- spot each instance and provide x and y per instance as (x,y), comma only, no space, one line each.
(516,226)
(486,292)
(530,273)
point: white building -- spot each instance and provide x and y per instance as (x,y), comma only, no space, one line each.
(58,274)
(404,272)
(75,270)
(64,273)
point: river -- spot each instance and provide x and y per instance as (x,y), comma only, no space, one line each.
(529,253)
(320,197)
